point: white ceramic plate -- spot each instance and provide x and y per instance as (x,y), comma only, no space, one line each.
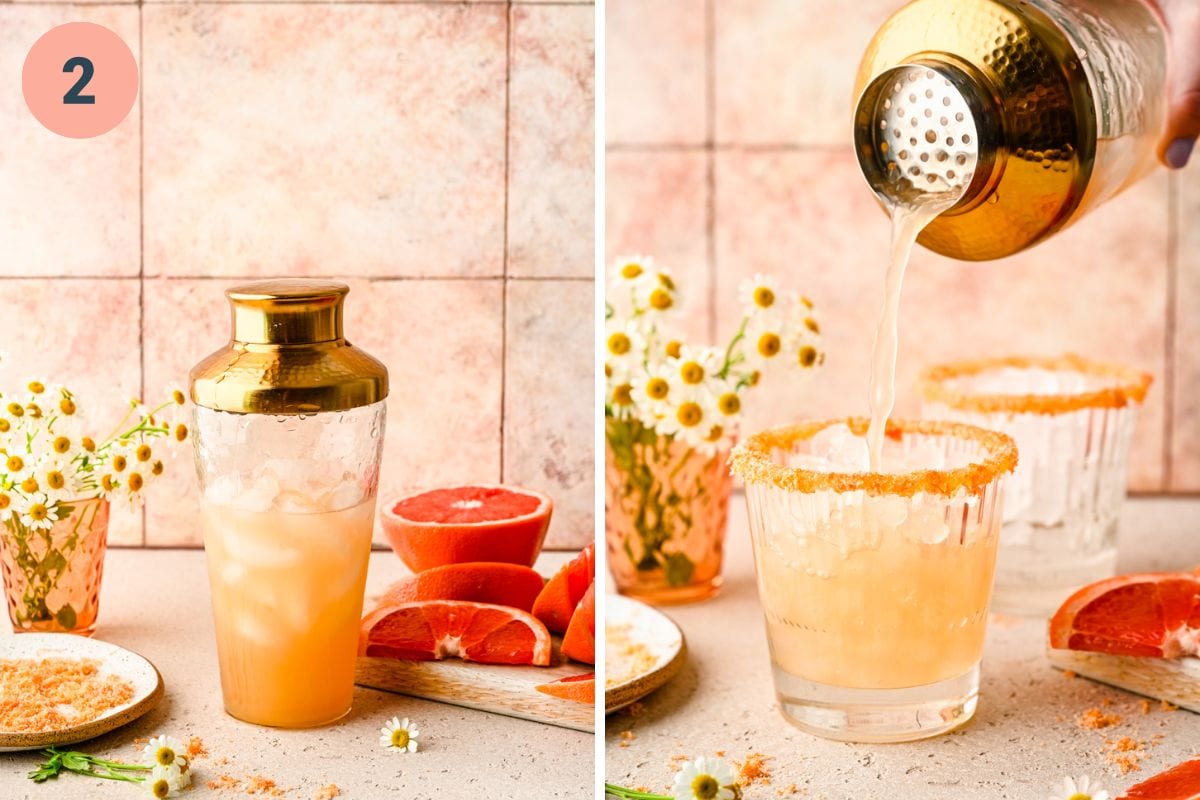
(147,685)
(657,634)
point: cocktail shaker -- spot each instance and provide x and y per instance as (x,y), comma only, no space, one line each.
(289,425)
(1040,109)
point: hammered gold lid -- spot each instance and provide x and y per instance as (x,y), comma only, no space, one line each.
(287,354)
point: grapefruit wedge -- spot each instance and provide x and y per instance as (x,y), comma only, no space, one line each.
(580,688)
(511,585)
(1153,615)
(579,642)
(557,601)
(1181,782)
(435,629)
(460,524)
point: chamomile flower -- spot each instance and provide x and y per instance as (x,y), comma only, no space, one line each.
(624,342)
(633,271)
(759,295)
(694,366)
(1080,788)
(163,781)
(6,507)
(705,779)
(399,735)
(163,750)
(38,512)
(764,341)
(689,418)
(657,293)
(652,391)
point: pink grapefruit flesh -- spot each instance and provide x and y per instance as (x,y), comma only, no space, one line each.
(1154,615)
(580,688)
(1181,782)
(557,601)
(435,629)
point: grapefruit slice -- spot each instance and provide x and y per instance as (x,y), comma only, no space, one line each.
(1181,782)
(579,642)
(1153,614)
(435,629)
(511,585)
(580,688)
(460,524)
(555,605)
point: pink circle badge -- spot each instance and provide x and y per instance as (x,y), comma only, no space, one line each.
(80,80)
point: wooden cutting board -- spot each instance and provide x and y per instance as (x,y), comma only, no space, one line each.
(500,689)
(1176,680)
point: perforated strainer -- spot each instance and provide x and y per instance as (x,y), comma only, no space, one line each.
(917,133)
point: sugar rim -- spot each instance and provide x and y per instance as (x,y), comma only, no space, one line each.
(751,460)
(1128,386)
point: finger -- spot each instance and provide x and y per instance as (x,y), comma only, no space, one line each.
(1183,91)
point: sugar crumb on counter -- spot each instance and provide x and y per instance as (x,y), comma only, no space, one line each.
(754,770)
(195,749)
(627,738)
(1095,719)
(50,693)
(328,792)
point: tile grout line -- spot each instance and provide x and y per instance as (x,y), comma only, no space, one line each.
(710,180)
(374,278)
(141,230)
(508,25)
(1171,318)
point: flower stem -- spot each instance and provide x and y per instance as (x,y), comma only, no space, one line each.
(621,793)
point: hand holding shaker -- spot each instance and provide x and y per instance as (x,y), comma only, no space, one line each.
(288,435)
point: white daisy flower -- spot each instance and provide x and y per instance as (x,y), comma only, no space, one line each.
(37,512)
(652,390)
(1080,788)
(635,270)
(163,751)
(399,735)
(163,781)
(705,779)
(623,342)
(759,294)
(765,339)
(657,294)
(694,367)
(7,506)
(690,418)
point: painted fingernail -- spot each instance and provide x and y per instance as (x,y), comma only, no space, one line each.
(1179,151)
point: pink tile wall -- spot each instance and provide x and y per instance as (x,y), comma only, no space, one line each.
(435,156)
(769,183)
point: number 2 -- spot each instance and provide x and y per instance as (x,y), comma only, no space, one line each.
(73,96)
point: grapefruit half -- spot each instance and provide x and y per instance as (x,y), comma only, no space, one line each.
(580,688)
(435,629)
(1181,782)
(555,605)
(460,524)
(1153,614)
(512,585)
(579,642)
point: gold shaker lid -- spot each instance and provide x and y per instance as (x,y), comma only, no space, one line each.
(287,354)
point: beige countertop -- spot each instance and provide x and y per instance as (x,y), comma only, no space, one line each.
(156,602)
(1023,739)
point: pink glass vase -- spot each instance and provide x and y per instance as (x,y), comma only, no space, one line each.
(666,508)
(52,577)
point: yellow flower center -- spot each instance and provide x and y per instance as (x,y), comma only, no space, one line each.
(666,281)
(768,345)
(37,387)
(88,444)
(657,388)
(38,512)
(119,463)
(608,370)
(181,432)
(5,501)
(62,444)
(135,481)
(55,479)
(29,485)
(661,299)
(808,356)
(1080,796)
(165,756)
(754,377)
(4,426)
(619,344)
(807,303)
(812,325)
(35,410)
(157,468)
(144,452)
(66,406)
(631,271)
(623,395)
(729,403)
(674,348)
(15,464)
(16,410)
(161,788)
(691,372)
(400,738)
(107,483)
(178,397)
(716,433)
(705,787)
(689,414)
(764,297)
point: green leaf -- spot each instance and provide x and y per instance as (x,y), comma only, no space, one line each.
(53,561)
(66,617)
(678,569)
